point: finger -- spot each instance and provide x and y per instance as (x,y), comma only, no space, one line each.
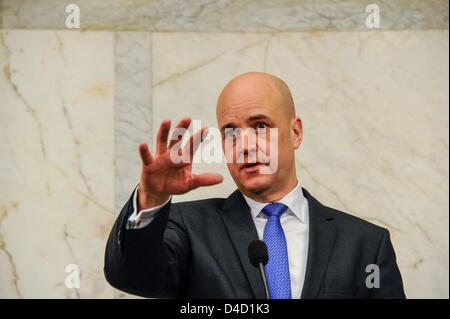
(205,179)
(194,143)
(146,156)
(183,124)
(161,139)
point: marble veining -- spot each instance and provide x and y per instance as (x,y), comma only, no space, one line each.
(57,178)
(226,15)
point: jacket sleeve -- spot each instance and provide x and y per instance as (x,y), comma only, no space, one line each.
(150,261)
(391,284)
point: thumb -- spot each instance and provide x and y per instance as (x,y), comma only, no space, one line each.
(205,179)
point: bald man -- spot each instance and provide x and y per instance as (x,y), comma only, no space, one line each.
(199,249)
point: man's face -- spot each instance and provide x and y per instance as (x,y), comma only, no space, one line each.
(255,107)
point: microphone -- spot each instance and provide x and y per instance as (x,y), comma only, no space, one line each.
(258,255)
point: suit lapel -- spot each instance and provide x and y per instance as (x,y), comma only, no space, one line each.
(242,231)
(322,237)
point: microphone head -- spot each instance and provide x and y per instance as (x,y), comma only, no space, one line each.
(257,252)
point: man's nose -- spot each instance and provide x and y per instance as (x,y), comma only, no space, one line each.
(249,143)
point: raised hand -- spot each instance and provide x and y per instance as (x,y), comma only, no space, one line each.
(161,177)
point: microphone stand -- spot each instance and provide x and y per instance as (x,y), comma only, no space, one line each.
(263,275)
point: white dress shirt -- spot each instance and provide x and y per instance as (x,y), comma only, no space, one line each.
(145,216)
(295,223)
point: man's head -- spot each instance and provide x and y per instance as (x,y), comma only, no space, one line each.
(260,100)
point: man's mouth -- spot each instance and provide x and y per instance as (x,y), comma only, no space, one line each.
(251,167)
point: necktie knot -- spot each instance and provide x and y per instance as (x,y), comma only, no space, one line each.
(274,209)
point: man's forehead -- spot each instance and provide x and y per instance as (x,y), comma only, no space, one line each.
(253,93)
(245,111)
(247,87)
(237,106)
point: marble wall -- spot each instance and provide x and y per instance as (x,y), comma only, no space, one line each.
(75,104)
(57,164)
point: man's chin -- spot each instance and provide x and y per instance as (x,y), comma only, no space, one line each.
(257,184)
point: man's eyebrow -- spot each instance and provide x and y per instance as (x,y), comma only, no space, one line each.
(250,119)
(258,117)
(228,125)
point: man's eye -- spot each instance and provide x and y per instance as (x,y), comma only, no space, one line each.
(261,125)
(229,133)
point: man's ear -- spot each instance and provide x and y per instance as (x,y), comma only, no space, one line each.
(296,132)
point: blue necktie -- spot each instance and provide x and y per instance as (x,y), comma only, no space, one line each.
(277,269)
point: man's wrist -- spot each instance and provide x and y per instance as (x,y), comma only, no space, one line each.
(148,200)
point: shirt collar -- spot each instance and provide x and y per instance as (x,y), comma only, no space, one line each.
(294,200)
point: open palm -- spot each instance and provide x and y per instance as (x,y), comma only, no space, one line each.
(162,177)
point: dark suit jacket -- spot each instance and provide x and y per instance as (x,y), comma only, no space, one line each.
(198,249)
